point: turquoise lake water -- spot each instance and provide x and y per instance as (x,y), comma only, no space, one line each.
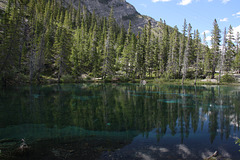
(119,121)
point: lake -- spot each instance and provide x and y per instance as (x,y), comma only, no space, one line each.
(119,121)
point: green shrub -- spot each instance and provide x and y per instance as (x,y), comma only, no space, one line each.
(238,142)
(67,78)
(228,78)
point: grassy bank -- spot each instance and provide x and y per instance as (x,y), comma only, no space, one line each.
(88,79)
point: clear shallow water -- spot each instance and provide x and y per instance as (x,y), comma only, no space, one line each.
(120,121)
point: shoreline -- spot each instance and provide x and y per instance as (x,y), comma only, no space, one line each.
(152,81)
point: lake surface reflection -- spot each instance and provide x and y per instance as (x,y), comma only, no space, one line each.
(120,121)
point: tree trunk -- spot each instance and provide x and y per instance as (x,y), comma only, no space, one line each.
(213,72)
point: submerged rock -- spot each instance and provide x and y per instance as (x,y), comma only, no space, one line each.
(23,148)
(62,153)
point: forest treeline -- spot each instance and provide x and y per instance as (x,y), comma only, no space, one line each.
(45,39)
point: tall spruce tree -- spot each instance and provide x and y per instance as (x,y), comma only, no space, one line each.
(230,52)
(207,56)
(223,55)
(109,52)
(126,54)
(197,47)
(215,40)
(165,46)
(156,56)
(188,50)
(237,58)
(173,53)
(148,49)
(182,45)
(62,46)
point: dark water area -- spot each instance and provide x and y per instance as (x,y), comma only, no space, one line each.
(119,121)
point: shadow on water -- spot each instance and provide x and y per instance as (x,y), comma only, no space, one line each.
(120,121)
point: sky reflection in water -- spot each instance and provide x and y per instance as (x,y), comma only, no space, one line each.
(122,121)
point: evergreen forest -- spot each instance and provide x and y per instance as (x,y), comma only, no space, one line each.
(44,40)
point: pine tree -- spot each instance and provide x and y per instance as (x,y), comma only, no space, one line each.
(223,54)
(237,58)
(109,52)
(182,46)
(148,49)
(119,47)
(165,46)
(139,60)
(237,41)
(126,54)
(206,56)
(186,53)
(173,60)
(142,52)
(78,16)
(132,57)
(94,56)
(10,45)
(156,56)
(62,47)
(230,52)
(215,40)
(75,55)
(197,47)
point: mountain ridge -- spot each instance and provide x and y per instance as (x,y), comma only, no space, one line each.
(123,12)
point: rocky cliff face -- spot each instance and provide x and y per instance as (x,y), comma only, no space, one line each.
(123,12)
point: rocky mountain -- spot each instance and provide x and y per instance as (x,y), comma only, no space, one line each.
(123,12)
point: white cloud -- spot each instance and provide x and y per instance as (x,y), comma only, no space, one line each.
(235,30)
(185,2)
(154,1)
(210,0)
(208,38)
(206,32)
(224,20)
(225,1)
(236,14)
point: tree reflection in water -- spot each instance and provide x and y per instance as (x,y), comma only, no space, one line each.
(160,111)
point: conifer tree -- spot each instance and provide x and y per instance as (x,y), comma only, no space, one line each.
(215,40)
(173,53)
(10,50)
(223,54)
(126,54)
(94,55)
(156,56)
(75,55)
(139,61)
(206,56)
(186,53)
(142,52)
(165,46)
(237,58)
(78,16)
(237,41)
(148,49)
(182,45)
(120,46)
(109,52)
(132,57)
(198,52)
(62,47)
(230,52)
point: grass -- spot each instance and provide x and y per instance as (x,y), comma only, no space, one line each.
(118,79)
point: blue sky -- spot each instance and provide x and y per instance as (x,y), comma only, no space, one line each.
(200,13)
